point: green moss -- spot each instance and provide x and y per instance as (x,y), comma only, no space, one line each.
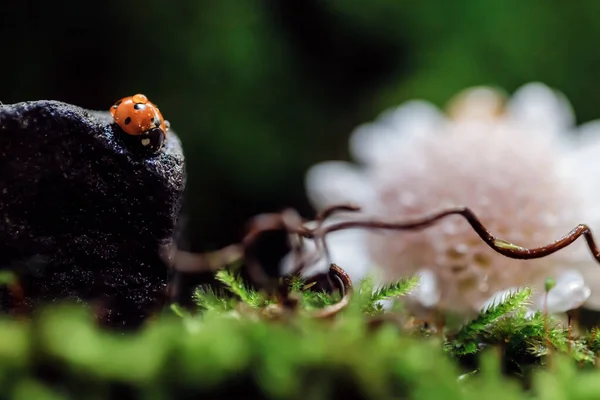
(62,354)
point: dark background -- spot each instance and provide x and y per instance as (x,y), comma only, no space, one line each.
(259,90)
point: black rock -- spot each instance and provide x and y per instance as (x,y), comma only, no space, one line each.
(92,211)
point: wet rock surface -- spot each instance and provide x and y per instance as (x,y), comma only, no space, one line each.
(83,214)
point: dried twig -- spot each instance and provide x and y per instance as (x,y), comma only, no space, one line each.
(501,246)
(345,285)
(290,222)
(185,261)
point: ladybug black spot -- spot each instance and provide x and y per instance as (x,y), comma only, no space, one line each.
(139,106)
(127,120)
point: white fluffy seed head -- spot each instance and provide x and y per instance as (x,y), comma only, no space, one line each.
(505,173)
(499,157)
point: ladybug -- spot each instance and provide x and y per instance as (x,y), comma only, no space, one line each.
(140,118)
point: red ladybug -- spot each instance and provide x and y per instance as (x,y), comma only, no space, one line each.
(139,117)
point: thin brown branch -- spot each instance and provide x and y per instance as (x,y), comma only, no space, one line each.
(329,211)
(206,262)
(287,221)
(345,285)
(501,246)
(291,223)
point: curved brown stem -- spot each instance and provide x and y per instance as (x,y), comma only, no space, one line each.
(329,211)
(501,246)
(343,278)
(291,222)
(345,290)
(280,310)
(185,261)
(321,217)
(266,222)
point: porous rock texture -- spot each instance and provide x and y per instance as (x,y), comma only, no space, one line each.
(83,214)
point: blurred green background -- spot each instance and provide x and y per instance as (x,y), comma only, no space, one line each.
(259,90)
